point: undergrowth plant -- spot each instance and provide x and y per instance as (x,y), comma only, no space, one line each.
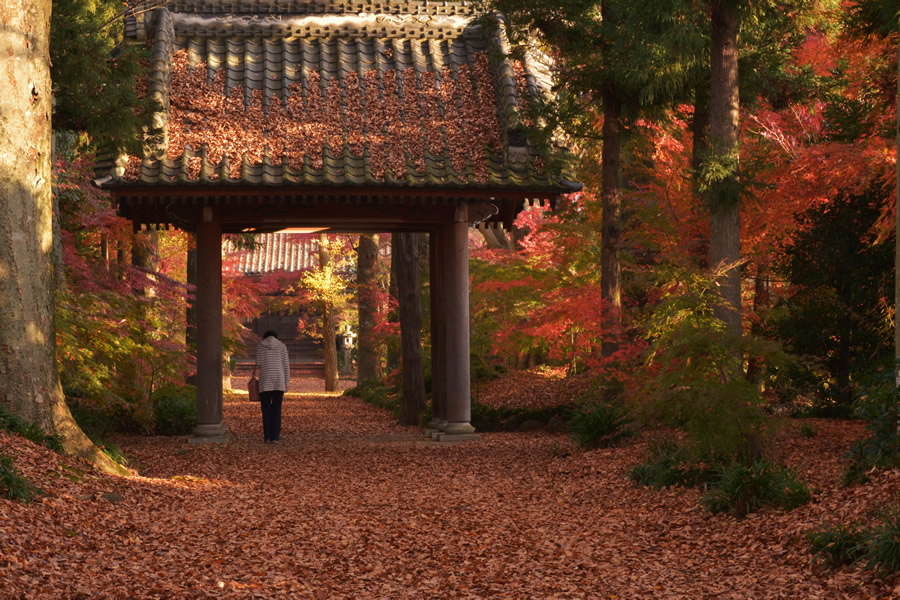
(175,409)
(742,488)
(668,464)
(692,377)
(599,424)
(875,548)
(878,407)
(15,424)
(13,484)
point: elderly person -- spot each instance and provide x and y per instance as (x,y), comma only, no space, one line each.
(274,377)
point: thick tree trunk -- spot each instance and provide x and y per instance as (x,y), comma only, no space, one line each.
(369,360)
(412,403)
(328,328)
(723,193)
(29,379)
(610,284)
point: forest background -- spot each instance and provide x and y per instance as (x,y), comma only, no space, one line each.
(731,255)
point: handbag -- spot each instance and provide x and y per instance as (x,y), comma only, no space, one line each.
(253,387)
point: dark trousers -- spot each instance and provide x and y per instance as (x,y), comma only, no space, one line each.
(271,413)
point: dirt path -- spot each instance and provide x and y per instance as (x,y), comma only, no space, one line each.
(351,506)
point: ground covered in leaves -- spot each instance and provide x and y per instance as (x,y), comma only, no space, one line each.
(350,505)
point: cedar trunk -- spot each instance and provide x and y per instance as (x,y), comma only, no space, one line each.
(406,258)
(329,344)
(369,365)
(610,284)
(29,379)
(723,194)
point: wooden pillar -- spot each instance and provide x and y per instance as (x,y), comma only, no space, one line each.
(456,312)
(210,423)
(438,332)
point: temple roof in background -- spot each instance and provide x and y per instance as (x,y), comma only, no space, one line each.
(352,94)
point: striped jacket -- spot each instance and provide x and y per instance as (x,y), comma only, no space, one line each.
(274,367)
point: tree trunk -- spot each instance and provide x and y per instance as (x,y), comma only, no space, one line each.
(897,252)
(611,166)
(369,365)
(761,302)
(145,256)
(29,377)
(328,329)
(723,192)
(393,351)
(412,403)
(699,246)
(610,284)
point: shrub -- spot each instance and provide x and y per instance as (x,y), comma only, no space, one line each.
(175,409)
(883,549)
(837,546)
(808,431)
(882,447)
(668,464)
(746,487)
(13,484)
(599,424)
(876,548)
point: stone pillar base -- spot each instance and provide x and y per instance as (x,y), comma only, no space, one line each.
(209,433)
(434,426)
(454,428)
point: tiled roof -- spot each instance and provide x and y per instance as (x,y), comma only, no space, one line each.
(334,93)
(289,252)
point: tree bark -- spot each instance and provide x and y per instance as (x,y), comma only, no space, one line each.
(393,351)
(610,284)
(328,329)
(29,377)
(723,193)
(369,365)
(412,403)
(190,313)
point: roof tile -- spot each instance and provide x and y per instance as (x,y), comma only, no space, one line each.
(336,92)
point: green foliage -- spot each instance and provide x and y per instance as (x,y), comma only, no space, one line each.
(808,431)
(15,424)
(745,487)
(489,418)
(384,397)
(692,379)
(835,310)
(883,548)
(175,409)
(599,424)
(668,464)
(875,548)
(881,448)
(837,546)
(101,416)
(14,485)
(94,77)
